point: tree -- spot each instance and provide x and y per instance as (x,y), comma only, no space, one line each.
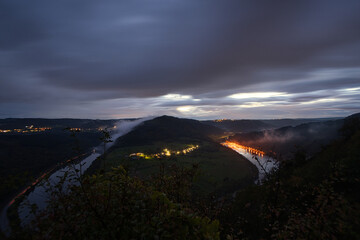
(105,138)
(114,205)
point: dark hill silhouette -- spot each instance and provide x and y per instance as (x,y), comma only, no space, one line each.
(303,191)
(222,171)
(167,128)
(239,125)
(245,125)
(286,140)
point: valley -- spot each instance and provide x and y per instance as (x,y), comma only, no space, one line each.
(225,165)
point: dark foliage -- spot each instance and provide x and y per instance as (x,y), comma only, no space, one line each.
(315,198)
(114,205)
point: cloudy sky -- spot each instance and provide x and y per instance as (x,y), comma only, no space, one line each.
(200,59)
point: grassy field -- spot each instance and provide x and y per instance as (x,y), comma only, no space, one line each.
(221,169)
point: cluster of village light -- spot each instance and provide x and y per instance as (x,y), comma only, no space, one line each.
(32,129)
(27,129)
(76,129)
(91,129)
(234,145)
(165,153)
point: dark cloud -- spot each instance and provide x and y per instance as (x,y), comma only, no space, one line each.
(89,51)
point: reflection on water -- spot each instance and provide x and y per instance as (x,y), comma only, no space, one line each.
(39,196)
(257,157)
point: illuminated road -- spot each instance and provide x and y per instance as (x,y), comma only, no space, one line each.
(257,157)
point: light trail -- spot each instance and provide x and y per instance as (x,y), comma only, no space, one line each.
(235,146)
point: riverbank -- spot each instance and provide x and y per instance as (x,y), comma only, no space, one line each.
(4,221)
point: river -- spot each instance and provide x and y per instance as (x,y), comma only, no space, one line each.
(40,194)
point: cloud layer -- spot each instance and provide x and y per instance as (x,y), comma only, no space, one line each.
(188,58)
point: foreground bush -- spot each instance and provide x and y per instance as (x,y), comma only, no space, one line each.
(114,205)
(316,198)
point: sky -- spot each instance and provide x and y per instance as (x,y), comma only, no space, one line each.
(199,59)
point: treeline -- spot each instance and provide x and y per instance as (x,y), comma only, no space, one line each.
(113,205)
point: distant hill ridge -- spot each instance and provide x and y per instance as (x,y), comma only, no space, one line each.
(11,123)
(286,140)
(249,125)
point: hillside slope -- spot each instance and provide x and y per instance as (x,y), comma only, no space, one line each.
(247,125)
(166,128)
(221,169)
(307,198)
(285,141)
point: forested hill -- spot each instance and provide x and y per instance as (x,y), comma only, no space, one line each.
(163,142)
(307,198)
(166,128)
(286,140)
(249,125)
